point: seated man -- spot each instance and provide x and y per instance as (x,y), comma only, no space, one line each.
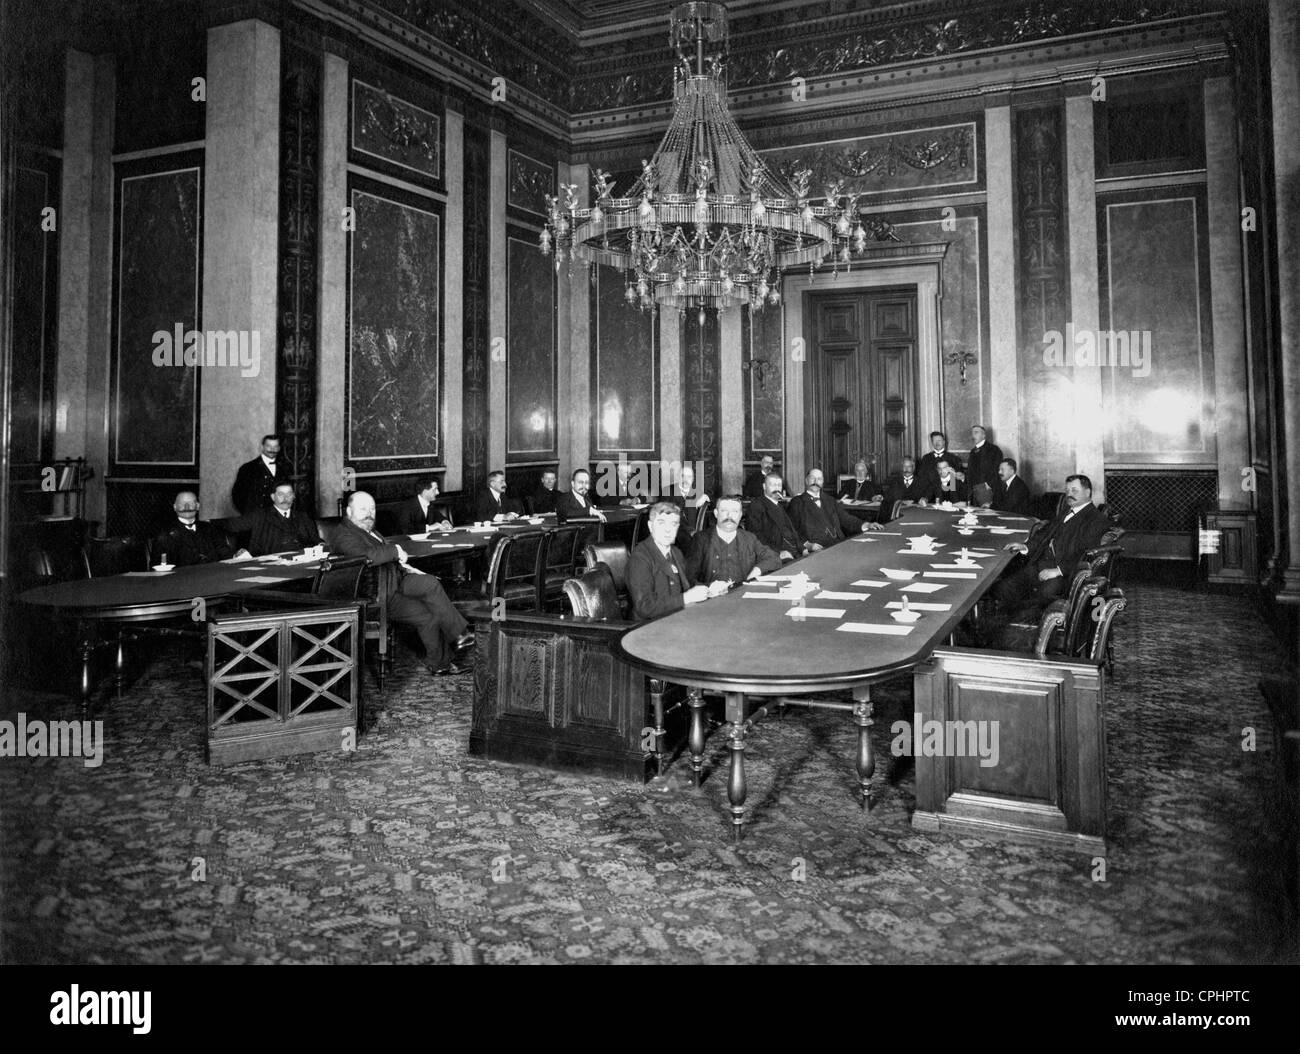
(187,540)
(576,504)
(1012,494)
(542,500)
(819,520)
(491,504)
(754,484)
(620,489)
(726,553)
(928,467)
(281,528)
(1057,549)
(770,523)
(950,487)
(418,514)
(861,487)
(908,487)
(656,580)
(414,598)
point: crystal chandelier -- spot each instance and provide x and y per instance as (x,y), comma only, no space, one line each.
(708,224)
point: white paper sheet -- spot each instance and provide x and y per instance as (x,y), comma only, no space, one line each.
(261,580)
(923,587)
(949,574)
(832,594)
(805,612)
(919,605)
(887,629)
(919,552)
(876,583)
(957,567)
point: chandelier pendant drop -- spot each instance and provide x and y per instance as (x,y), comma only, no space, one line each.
(707,225)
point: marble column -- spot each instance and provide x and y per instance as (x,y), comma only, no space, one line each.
(731,402)
(1284,47)
(332,358)
(497,290)
(86,270)
(1081,212)
(1004,406)
(1227,306)
(453,283)
(240,245)
(573,400)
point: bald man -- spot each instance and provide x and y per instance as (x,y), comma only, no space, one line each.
(414,598)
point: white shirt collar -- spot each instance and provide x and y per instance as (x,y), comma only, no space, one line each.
(269,464)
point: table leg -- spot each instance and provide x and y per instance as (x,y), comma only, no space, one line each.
(866,760)
(695,742)
(657,689)
(119,670)
(87,665)
(736,788)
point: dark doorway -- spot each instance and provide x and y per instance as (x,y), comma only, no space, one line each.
(862,372)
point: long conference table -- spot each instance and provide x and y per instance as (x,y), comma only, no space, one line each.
(142,597)
(762,640)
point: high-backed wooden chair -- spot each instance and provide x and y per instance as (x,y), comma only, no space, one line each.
(640,529)
(592,595)
(514,569)
(559,561)
(353,578)
(102,557)
(613,555)
(1099,651)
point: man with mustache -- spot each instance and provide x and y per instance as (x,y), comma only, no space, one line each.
(1057,548)
(414,598)
(819,519)
(726,553)
(187,540)
(770,523)
(575,504)
(257,478)
(281,528)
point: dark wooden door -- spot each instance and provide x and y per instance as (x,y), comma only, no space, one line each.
(862,402)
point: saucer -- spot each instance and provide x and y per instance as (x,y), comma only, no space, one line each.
(164,569)
(964,530)
(901,576)
(905,616)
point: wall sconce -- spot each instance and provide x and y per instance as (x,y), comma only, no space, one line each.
(962,358)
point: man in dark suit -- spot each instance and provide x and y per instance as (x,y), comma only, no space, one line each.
(949,485)
(419,513)
(187,540)
(861,487)
(622,487)
(576,504)
(414,598)
(255,479)
(1050,563)
(928,467)
(770,523)
(982,461)
(726,553)
(1012,494)
(491,504)
(656,580)
(281,528)
(819,519)
(907,487)
(754,484)
(542,500)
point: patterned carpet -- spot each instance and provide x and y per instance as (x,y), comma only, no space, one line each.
(410,851)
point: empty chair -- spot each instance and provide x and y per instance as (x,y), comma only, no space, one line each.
(1100,649)
(102,557)
(559,561)
(1074,634)
(514,570)
(346,578)
(614,556)
(640,528)
(325,527)
(592,596)
(1024,630)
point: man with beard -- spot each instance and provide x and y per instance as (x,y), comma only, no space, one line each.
(576,504)
(770,523)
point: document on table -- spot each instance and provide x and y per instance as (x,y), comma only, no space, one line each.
(803,612)
(873,582)
(957,567)
(832,594)
(917,605)
(887,629)
(949,574)
(920,552)
(261,580)
(922,587)
(450,545)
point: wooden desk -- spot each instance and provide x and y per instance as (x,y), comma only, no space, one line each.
(742,646)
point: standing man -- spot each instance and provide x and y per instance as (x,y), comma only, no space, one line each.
(656,580)
(492,504)
(542,500)
(754,484)
(576,504)
(818,517)
(414,598)
(982,463)
(768,519)
(257,478)
(417,514)
(1013,493)
(726,553)
(282,527)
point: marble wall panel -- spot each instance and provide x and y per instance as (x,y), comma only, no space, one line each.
(154,407)
(702,396)
(35,292)
(530,351)
(764,378)
(625,372)
(394,333)
(528,181)
(395,131)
